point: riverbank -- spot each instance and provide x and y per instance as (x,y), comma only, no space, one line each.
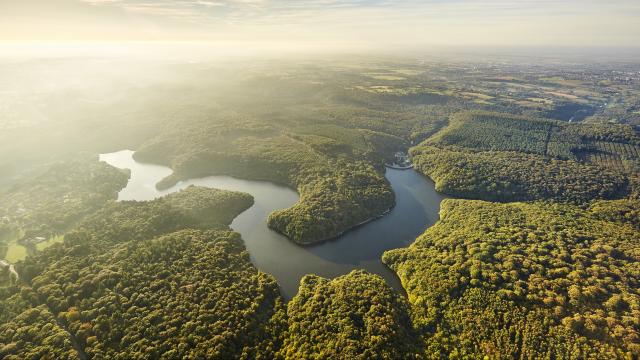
(399,167)
(360,247)
(354,227)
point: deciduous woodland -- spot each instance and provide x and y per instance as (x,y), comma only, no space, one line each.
(499,157)
(531,280)
(537,257)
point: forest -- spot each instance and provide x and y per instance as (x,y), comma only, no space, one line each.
(500,157)
(372,321)
(166,278)
(513,176)
(62,195)
(331,151)
(537,258)
(531,280)
(555,277)
(122,286)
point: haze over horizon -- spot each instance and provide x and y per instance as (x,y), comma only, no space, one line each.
(326,24)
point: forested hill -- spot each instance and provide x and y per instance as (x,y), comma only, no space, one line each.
(63,194)
(518,280)
(128,283)
(167,279)
(555,277)
(502,157)
(326,142)
(355,316)
(539,257)
(329,169)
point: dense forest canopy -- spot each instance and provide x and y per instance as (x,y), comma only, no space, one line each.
(501,157)
(52,202)
(124,286)
(565,281)
(542,264)
(355,316)
(332,155)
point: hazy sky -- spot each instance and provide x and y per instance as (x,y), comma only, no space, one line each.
(357,23)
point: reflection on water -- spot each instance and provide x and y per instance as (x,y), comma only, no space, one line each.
(417,206)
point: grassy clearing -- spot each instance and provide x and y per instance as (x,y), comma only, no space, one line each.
(15,252)
(52,240)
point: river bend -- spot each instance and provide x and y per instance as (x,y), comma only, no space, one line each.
(417,207)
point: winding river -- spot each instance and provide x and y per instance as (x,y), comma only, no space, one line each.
(417,207)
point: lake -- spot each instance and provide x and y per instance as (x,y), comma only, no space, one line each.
(417,207)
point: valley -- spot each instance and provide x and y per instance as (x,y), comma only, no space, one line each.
(258,217)
(416,208)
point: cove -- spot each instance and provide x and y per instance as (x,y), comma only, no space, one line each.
(417,207)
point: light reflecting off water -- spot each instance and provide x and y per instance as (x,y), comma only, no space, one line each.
(417,207)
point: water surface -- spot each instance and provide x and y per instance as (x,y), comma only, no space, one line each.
(417,206)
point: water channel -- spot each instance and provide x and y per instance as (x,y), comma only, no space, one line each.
(417,207)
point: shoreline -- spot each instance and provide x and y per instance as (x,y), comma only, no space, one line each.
(397,167)
(392,279)
(334,238)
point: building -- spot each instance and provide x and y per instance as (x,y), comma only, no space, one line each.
(402,159)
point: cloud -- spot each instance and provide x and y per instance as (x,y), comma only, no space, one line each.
(377,22)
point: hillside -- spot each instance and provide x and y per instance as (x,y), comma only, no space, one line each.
(524,280)
(500,157)
(123,286)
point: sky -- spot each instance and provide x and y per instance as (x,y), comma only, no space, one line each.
(327,23)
